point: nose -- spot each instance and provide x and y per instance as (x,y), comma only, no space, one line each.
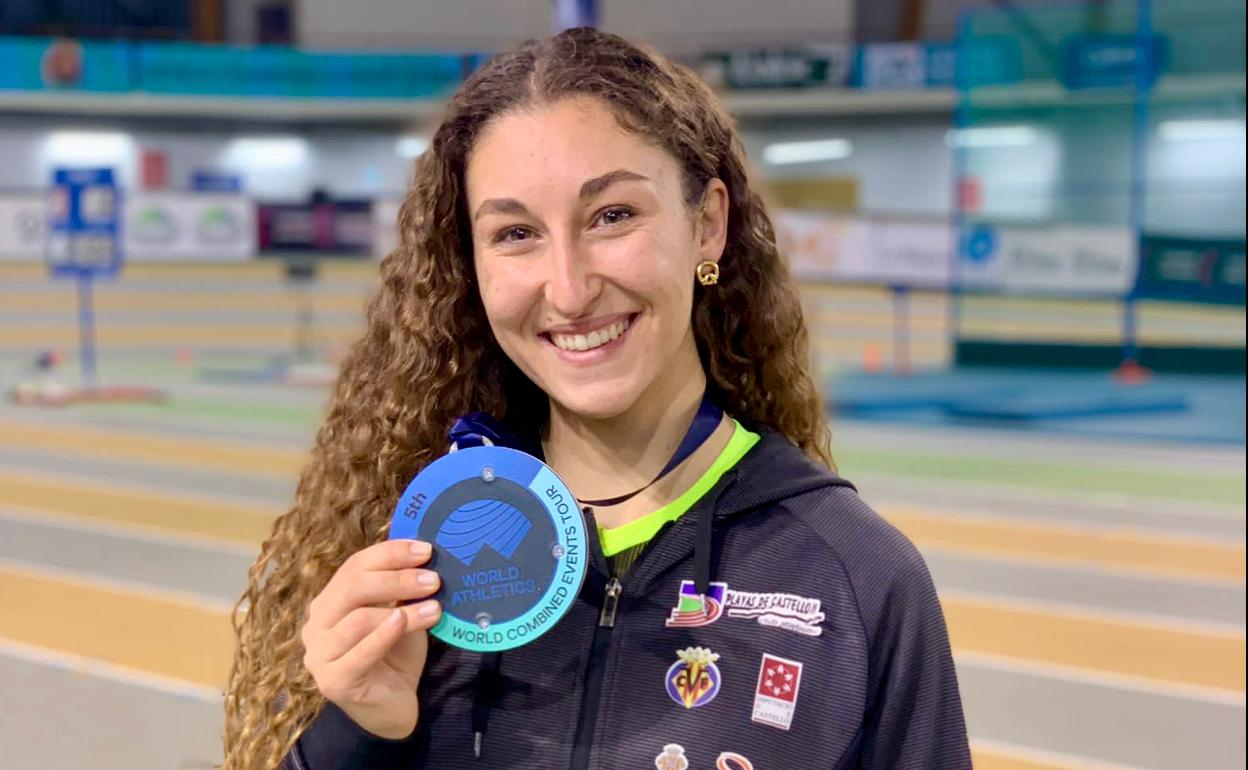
(571,282)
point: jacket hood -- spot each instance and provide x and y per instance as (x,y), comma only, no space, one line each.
(773,470)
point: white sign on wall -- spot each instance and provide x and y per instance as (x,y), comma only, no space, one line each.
(22,227)
(201,227)
(823,247)
(1068,259)
(912,253)
(1060,260)
(385,227)
(818,246)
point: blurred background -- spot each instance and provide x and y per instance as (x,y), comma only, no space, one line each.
(1019,230)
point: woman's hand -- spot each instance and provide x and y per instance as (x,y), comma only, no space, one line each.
(366,657)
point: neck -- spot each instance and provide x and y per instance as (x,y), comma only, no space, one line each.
(603,458)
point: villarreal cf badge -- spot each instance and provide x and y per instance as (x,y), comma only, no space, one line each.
(694,679)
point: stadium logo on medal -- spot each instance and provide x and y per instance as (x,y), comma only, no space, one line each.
(694,679)
(778,610)
(508,542)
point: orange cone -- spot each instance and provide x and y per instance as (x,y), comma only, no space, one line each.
(873,358)
(1129,372)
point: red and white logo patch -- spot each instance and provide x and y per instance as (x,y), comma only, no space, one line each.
(775,698)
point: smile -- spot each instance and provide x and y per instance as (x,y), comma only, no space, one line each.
(591,339)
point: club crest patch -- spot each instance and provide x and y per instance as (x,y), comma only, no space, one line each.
(778,610)
(731,760)
(694,679)
(673,758)
(775,697)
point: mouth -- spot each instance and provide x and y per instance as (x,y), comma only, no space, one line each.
(598,341)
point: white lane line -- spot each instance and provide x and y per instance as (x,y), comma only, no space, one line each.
(90,580)
(1076,611)
(74,523)
(1043,757)
(989,493)
(1064,525)
(1000,513)
(1083,569)
(1078,675)
(1168,575)
(269,508)
(112,672)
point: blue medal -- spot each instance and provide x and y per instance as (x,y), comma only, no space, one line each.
(508,540)
(508,536)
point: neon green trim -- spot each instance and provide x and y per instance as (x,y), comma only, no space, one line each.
(640,531)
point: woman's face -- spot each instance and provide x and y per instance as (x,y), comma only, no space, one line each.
(585,252)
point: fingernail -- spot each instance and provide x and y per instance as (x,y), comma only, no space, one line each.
(428,610)
(427,579)
(421,548)
(395,618)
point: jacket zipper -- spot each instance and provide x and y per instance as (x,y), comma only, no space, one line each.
(610,602)
(598,649)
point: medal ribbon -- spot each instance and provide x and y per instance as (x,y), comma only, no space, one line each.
(481,428)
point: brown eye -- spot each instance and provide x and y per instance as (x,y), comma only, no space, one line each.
(513,235)
(615,215)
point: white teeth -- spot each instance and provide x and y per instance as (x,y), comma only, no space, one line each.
(594,339)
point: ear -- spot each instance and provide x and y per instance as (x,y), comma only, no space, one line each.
(711,223)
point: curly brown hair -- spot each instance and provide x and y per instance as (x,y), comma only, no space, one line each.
(428,354)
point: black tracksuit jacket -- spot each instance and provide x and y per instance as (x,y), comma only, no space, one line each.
(875,689)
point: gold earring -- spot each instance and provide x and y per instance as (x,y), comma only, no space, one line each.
(708,272)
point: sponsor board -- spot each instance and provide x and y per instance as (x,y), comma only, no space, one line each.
(385,226)
(23,227)
(185,227)
(1063,260)
(814,65)
(824,247)
(1081,260)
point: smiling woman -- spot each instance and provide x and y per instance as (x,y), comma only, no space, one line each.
(583,257)
(585,269)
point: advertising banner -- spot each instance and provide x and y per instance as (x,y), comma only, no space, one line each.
(851,249)
(820,247)
(38,64)
(22,227)
(340,227)
(183,68)
(792,67)
(1112,61)
(916,254)
(892,66)
(212,180)
(1193,269)
(1065,260)
(184,227)
(385,227)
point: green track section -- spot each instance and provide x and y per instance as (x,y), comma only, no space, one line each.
(284,415)
(1107,479)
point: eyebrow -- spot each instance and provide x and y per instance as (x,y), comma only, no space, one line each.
(600,183)
(588,190)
